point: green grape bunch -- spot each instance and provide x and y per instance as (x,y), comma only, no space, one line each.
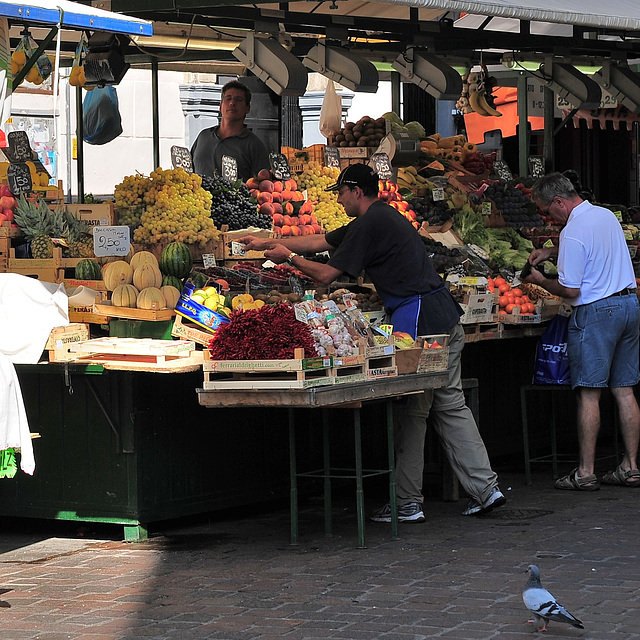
(170,204)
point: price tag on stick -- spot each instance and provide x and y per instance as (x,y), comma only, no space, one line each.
(536,166)
(19,178)
(111,241)
(280,166)
(229,168)
(332,157)
(502,170)
(19,146)
(381,165)
(181,158)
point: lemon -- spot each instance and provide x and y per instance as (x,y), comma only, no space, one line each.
(33,74)
(19,57)
(211,303)
(200,299)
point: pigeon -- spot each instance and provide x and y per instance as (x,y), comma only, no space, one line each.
(543,605)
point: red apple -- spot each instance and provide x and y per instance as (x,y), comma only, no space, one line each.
(7,202)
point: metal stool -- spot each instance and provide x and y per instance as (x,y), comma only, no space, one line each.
(554,456)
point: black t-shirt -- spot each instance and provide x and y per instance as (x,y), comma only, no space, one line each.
(383,243)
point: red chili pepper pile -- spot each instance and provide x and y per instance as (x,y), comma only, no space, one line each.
(267,333)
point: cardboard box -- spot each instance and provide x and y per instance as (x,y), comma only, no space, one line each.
(61,337)
(95,215)
(197,313)
(478,308)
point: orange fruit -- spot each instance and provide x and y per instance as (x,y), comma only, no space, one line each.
(526,299)
(518,300)
(502,312)
(517,292)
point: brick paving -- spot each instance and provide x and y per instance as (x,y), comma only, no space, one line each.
(236,577)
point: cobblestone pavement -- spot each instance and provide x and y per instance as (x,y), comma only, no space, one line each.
(236,577)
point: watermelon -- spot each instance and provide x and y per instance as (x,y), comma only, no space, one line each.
(176,260)
(199,279)
(88,270)
(172,281)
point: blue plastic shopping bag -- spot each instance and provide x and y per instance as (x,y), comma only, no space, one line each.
(552,359)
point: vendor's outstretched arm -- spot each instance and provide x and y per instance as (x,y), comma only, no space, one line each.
(314,243)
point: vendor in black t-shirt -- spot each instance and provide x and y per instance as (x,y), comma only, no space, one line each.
(384,244)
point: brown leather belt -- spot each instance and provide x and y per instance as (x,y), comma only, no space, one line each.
(623,292)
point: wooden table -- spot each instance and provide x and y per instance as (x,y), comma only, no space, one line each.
(345,396)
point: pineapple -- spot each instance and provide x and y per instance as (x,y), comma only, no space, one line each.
(78,235)
(36,223)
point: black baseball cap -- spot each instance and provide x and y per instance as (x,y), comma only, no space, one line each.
(355,175)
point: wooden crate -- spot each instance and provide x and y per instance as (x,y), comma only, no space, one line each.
(60,339)
(131,313)
(348,369)
(187,331)
(482,331)
(145,351)
(293,373)
(46,269)
(381,366)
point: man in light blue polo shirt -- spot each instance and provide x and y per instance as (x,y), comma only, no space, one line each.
(596,277)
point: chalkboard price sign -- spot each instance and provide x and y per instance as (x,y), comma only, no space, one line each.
(19,178)
(332,157)
(280,166)
(19,146)
(111,241)
(381,165)
(536,166)
(501,169)
(181,158)
(229,168)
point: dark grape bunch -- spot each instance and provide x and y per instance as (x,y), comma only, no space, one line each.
(441,256)
(232,206)
(516,208)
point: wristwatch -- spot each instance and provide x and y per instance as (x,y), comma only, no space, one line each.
(290,257)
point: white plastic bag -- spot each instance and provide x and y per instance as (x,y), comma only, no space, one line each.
(331,112)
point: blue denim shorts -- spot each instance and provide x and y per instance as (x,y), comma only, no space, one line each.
(603,343)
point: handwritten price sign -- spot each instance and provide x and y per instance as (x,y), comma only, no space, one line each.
(111,241)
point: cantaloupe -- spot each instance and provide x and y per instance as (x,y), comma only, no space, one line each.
(124,295)
(142,257)
(116,273)
(147,275)
(151,297)
(171,296)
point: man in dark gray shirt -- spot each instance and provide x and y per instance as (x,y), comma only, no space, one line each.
(230,138)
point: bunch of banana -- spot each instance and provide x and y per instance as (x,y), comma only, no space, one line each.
(462,105)
(479,87)
(409,178)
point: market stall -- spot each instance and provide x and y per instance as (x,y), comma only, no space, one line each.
(126,440)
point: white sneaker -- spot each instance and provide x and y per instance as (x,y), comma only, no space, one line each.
(474,508)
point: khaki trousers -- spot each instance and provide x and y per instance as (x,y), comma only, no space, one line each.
(454,423)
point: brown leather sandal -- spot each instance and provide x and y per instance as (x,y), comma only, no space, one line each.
(622,478)
(573,482)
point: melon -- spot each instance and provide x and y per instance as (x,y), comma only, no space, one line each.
(150,298)
(115,273)
(171,296)
(172,281)
(176,260)
(142,257)
(147,275)
(124,295)
(88,270)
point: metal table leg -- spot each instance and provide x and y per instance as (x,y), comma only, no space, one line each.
(326,447)
(293,492)
(359,487)
(392,472)
(525,434)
